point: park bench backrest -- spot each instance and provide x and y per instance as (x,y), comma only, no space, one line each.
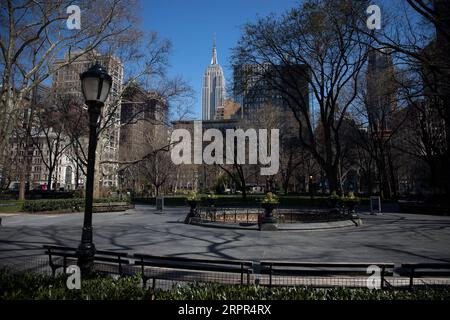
(420,270)
(232,266)
(193,264)
(323,269)
(119,258)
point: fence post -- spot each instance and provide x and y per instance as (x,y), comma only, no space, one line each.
(270,276)
(120,266)
(144,278)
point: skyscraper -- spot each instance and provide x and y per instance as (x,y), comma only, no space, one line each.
(381,91)
(213,87)
(67,80)
(258,85)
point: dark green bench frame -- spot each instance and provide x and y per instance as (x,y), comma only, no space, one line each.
(213,265)
(422,270)
(324,269)
(119,258)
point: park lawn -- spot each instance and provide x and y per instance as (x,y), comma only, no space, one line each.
(11,206)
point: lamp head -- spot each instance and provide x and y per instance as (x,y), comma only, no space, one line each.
(95,84)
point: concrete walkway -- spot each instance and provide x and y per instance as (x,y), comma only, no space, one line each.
(391,237)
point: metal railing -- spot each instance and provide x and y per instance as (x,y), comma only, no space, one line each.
(250,215)
(165,272)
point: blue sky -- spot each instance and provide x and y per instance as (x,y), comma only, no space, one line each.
(190,25)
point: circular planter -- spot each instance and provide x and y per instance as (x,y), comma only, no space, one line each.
(268,221)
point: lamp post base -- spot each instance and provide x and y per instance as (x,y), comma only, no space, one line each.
(86,253)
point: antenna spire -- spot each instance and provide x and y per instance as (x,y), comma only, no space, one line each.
(214,52)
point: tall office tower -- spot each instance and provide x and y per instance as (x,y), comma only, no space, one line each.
(143,117)
(381,90)
(213,88)
(255,87)
(67,81)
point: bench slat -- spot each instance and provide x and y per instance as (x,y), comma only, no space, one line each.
(197,267)
(326,264)
(187,260)
(316,272)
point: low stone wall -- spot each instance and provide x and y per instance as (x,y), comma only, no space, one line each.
(111,206)
(286,219)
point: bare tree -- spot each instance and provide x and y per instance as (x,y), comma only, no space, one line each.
(320,43)
(158,167)
(418,34)
(53,129)
(33,35)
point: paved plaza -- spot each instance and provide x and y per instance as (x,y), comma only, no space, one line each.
(391,237)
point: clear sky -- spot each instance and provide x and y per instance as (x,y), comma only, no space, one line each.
(190,25)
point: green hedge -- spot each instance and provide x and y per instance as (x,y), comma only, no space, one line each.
(74,204)
(251,201)
(32,286)
(51,205)
(221,292)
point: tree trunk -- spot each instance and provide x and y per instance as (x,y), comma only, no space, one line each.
(49,180)
(22,185)
(244,192)
(333,179)
(286,178)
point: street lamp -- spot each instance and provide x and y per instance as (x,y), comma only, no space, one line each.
(95,85)
(311,187)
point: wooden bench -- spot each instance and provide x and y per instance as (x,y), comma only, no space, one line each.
(69,253)
(212,265)
(423,270)
(323,269)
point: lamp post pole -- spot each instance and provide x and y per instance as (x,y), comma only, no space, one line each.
(86,249)
(95,84)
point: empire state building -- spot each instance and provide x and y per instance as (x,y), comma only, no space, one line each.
(213,88)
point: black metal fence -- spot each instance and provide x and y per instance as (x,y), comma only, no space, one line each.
(170,272)
(250,215)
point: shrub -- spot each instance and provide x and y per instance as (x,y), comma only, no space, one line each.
(221,292)
(31,286)
(74,204)
(193,196)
